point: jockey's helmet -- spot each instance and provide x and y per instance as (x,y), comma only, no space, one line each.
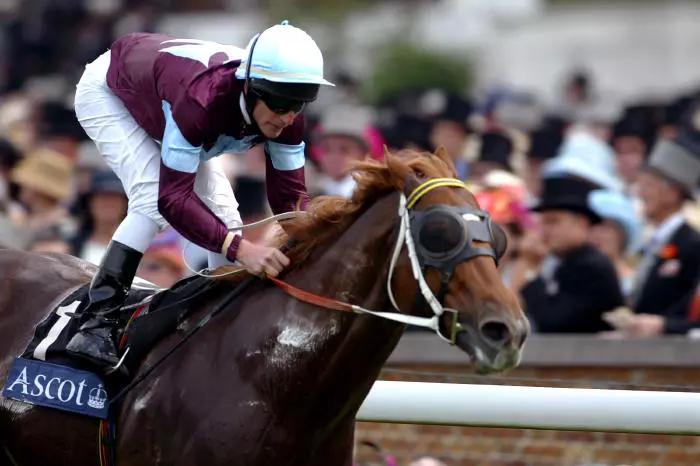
(284,62)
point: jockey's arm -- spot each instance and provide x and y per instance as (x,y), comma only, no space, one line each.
(177,201)
(284,173)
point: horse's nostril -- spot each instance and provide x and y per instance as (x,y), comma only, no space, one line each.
(496,333)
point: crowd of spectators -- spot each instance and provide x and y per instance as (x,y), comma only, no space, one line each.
(598,202)
(597,197)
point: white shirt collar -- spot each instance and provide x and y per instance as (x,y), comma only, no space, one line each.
(664,231)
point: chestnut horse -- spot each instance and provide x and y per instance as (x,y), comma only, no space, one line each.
(273,381)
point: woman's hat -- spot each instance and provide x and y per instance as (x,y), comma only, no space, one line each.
(584,156)
(47,172)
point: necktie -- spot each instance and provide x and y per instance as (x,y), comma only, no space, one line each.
(642,273)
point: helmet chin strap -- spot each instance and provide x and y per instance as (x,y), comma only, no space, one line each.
(244,109)
(247,103)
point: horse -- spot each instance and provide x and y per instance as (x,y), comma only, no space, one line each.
(273,380)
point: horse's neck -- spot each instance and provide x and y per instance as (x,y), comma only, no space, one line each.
(354,269)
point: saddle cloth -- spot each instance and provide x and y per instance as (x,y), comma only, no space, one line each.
(46,375)
(149,314)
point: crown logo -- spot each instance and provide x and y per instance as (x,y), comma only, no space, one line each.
(97,397)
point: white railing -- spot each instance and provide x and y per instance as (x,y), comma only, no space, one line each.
(533,407)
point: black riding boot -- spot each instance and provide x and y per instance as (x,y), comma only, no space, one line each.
(96,339)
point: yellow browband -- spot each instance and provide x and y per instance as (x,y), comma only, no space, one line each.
(429,185)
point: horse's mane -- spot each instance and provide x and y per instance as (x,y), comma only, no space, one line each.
(329,216)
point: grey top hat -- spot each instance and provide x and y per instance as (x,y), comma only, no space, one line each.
(679,159)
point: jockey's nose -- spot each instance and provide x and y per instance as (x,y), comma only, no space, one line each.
(288,118)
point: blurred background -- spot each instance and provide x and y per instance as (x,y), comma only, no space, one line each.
(558,113)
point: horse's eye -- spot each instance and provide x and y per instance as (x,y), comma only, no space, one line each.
(440,233)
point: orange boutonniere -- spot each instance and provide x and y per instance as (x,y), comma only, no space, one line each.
(670,251)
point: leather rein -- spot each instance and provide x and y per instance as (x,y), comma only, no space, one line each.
(404,238)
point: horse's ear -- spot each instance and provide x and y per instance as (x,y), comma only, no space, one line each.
(386,151)
(443,155)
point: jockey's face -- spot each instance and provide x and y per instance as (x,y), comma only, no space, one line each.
(271,124)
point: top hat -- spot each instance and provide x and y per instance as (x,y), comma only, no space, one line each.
(678,159)
(437,104)
(640,121)
(674,111)
(496,148)
(567,193)
(544,143)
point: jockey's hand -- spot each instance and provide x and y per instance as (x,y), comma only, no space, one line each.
(259,259)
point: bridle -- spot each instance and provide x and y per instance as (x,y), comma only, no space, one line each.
(465,224)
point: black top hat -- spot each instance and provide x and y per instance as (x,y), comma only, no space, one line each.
(496,148)
(401,130)
(544,143)
(676,110)
(639,121)
(567,193)
(457,109)
(58,120)
(439,105)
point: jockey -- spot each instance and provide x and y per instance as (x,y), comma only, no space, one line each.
(159,109)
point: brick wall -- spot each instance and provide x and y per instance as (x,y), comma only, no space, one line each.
(467,446)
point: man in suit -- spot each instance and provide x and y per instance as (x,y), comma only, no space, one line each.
(576,283)
(670,267)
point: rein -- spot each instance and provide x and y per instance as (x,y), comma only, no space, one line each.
(235,293)
(404,238)
(259,223)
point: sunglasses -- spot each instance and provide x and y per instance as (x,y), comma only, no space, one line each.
(280,105)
